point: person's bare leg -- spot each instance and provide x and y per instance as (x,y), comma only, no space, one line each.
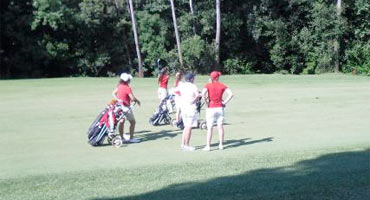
(221,135)
(132,128)
(183,138)
(187,131)
(120,128)
(209,136)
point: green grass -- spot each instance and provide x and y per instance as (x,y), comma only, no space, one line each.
(287,137)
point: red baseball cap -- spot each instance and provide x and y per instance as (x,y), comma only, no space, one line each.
(215,74)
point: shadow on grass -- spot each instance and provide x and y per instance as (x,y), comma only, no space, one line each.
(239,142)
(164,134)
(333,176)
(245,141)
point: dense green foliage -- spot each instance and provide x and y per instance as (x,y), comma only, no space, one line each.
(49,38)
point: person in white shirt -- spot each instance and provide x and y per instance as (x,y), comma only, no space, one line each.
(189,96)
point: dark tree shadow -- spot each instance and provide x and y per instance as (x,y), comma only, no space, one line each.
(333,176)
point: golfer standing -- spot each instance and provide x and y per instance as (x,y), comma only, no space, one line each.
(123,94)
(177,94)
(189,96)
(215,110)
(162,82)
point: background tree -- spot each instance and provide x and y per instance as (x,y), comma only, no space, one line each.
(218,30)
(54,38)
(176,32)
(133,20)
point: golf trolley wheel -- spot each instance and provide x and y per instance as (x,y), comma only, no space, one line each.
(203,126)
(173,122)
(116,142)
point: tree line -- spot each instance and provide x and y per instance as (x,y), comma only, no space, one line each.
(55,38)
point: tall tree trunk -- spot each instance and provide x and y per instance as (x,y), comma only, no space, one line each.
(337,42)
(136,38)
(176,32)
(125,40)
(218,31)
(191,5)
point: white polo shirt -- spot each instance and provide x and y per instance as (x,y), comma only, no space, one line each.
(188,93)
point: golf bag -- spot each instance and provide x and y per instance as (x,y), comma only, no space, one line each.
(161,115)
(105,123)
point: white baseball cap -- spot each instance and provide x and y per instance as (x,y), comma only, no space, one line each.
(125,77)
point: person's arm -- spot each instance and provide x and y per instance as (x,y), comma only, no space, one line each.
(176,90)
(230,95)
(204,95)
(114,94)
(159,78)
(196,95)
(177,79)
(134,99)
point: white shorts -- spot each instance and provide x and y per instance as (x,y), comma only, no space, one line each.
(162,93)
(189,117)
(129,115)
(215,115)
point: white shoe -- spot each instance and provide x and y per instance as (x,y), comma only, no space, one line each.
(133,140)
(207,148)
(182,146)
(188,148)
(221,147)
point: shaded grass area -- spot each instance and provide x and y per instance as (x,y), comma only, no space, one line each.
(341,175)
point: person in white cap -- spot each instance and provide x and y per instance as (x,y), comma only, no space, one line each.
(123,94)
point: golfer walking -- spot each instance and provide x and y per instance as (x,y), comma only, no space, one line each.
(215,111)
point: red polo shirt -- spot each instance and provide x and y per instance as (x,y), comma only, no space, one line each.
(215,92)
(163,81)
(123,91)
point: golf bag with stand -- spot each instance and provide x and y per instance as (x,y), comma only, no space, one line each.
(106,123)
(161,115)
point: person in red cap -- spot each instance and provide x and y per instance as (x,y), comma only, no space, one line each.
(215,111)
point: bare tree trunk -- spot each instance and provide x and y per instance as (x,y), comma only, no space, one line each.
(136,38)
(192,14)
(125,40)
(337,42)
(176,32)
(218,30)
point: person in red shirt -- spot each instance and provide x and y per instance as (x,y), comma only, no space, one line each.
(163,82)
(215,111)
(123,94)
